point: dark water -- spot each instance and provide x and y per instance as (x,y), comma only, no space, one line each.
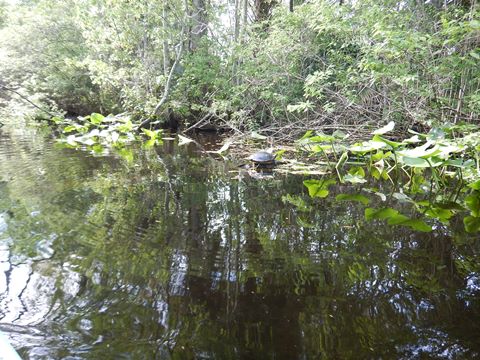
(165,254)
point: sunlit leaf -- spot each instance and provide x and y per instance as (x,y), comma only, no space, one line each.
(182,140)
(126,127)
(383,130)
(402,197)
(419,162)
(307,134)
(425,151)
(459,163)
(69,128)
(149,143)
(397,219)
(96,118)
(385,213)
(390,143)
(126,154)
(255,135)
(367,146)
(97,148)
(412,140)
(436,134)
(475,185)
(354,179)
(225,147)
(150,133)
(115,136)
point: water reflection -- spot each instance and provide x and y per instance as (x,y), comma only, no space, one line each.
(165,254)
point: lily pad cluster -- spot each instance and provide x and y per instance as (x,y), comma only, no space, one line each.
(436,173)
(97,131)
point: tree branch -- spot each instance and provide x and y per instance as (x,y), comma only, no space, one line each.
(25,98)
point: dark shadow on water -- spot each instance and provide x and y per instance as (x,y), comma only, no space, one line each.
(170,255)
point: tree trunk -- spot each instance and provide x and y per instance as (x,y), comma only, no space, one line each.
(290,5)
(168,86)
(199,28)
(263,9)
(166,50)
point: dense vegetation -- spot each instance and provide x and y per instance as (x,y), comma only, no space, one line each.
(243,65)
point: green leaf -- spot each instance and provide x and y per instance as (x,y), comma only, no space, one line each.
(69,128)
(339,134)
(318,188)
(56,119)
(307,134)
(423,151)
(353,197)
(96,118)
(297,201)
(472,202)
(383,130)
(397,219)
(385,213)
(393,144)
(126,127)
(354,179)
(151,134)
(126,154)
(475,185)
(472,224)
(439,213)
(412,140)
(474,55)
(419,162)
(366,146)
(417,225)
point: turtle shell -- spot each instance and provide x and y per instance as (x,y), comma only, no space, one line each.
(263,157)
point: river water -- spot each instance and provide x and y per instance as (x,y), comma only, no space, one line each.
(166,253)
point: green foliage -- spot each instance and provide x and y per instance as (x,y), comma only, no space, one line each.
(318,188)
(442,165)
(363,60)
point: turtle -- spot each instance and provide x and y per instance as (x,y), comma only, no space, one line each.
(263,159)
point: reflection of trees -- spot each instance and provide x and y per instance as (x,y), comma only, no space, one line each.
(168,257)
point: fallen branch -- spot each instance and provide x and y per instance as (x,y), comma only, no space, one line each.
(27,100)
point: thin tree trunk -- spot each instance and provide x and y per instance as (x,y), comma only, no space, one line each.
(166,51)
(199,17)
(237,21)
(290,5)
(178,57)
(236,34)
(244,22)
